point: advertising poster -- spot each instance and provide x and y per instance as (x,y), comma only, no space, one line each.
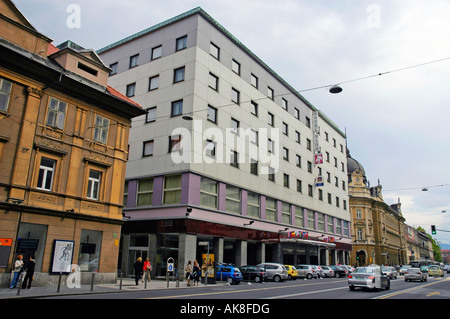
(208,265)
(62,256)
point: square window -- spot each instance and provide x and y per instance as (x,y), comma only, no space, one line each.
(254,80)
(271,175)
(254,108)
(271,119)
(234,126)
(148,148)
(178,75)
(210,148)
(153,83)
(113,68)
(284,104)
(177,108)
(101,128)
(236,67)
(286,180)
(234,158)
(214,50)
(131,88)
(285,129)
(174,143)
(235,95)
(212,114)
(151,115)
(156,52)
(5,92)
(56,113)
(181,43)
(213,81)
(46,174)
(94,181)
(254,167)
(134,61)
(270,93)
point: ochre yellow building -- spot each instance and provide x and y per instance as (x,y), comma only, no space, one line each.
(63,153)
(377,228)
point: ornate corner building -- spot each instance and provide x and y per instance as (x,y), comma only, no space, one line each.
(377,233)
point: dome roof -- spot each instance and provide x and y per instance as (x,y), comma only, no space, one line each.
(353,165)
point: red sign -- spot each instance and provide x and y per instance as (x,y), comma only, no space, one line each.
(5,241)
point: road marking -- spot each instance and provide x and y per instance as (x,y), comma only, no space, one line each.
(305,293)
(407,290)
(433,293)
(243,290)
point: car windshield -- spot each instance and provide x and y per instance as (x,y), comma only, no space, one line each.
(433,267)
(365,270)
(414,270)
(386,269)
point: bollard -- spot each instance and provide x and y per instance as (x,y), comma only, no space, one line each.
(59,282)
(145,282)
(92,281)
(120,287)
(20,284)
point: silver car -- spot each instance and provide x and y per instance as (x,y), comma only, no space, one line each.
(327,271)
(415,274)
(275,271)
(306,271)
(368,277)
(390,271)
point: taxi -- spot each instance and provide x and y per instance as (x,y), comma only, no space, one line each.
(292,272)
(435,270)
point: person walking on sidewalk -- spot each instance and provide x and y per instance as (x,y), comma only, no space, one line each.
(18,268)
(29,268)
(188,270)
(138,266)
(147,269)
(196,272)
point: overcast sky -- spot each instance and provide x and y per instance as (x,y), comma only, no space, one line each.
(397,123)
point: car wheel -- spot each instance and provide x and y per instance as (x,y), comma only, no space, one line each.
(257,279)
(309,276)
(352,288)
(388,287)
(290,277)
(276,278)
(230,280)
(336,275)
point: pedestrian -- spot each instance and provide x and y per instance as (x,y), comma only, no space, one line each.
(29,268)
(138,266)
(147,269)
(18,268)
(196,272)
(188,270)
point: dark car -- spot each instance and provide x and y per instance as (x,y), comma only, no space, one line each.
(253,273)
(230,273)
(339,271)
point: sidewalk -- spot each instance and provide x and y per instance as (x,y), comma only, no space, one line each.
(128,284)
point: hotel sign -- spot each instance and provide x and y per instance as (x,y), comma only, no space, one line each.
(316,131)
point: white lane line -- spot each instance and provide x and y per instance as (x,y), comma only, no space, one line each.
(304,293)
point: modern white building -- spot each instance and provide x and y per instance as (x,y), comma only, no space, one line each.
(226,154)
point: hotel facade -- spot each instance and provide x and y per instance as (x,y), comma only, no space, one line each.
(229,157)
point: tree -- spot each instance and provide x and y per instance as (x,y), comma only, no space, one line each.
(436,248)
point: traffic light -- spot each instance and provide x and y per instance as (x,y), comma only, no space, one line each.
(433,229)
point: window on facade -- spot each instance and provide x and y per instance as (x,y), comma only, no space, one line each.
(174,143)
(134,61)
(285,154)
(286,180)
(90,249)
(208,192)
(172,189)
(346,229)
(271,175)
(297,137)
(299,216)
(271,209)
(214,50)
(320,194)
(330,223)
(56,113)
(284,104)
(46,174)
(236,67)
(151,115)
(212,114)
(311,220)
(270,93)
(271,119)
(177,108)
(270,146)
(298,161)
(131,89)
(113,68)
(148,148)
(210,148)
(329,198)
(233,200)
(297,113)
(234,158)
(235,96)
(5,92)
(285,213)
(156,52)
(310,190)
(285,129)
(254,108)
(254,80)
(181,43)
(321,222)
(299,186)
(94,182)
(254,136)
(153,83)
(252,204)
(213,81)
(178,75)
(234,126)
(145,192)
(308,121)
(101,128)
(338,227)
(358,213)
(125,193)
(309,167)
(254,167)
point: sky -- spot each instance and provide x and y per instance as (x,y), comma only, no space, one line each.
(391,57)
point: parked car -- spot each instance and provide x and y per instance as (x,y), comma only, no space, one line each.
(368,277)
(415,274)
(318,270)
(292,272)
(435,270)
(275,271)
(327,271)
(403,269)
(350,268)
(390,271)
(255,273)
(230,273)
(306,271)
(339,271)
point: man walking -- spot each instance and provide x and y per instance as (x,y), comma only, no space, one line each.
(29,268)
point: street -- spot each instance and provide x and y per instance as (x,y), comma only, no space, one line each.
(327,288)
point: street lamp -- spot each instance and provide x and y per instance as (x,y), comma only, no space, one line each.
(335,89)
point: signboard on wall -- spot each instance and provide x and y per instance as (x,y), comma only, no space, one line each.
(62,256)
(5,250)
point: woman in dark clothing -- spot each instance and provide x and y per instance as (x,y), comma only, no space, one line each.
(29,268)
(138,267)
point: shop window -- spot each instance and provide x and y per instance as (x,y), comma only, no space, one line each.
(89,253)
